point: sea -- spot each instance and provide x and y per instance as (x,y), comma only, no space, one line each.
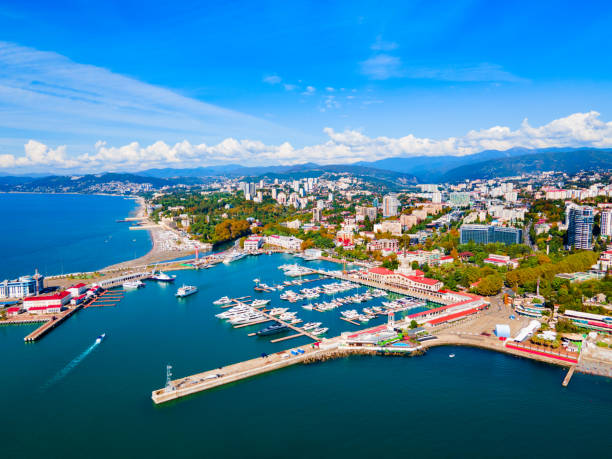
(66,233)
(67,397)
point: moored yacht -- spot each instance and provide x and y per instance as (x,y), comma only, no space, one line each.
(162,277)
(132,285)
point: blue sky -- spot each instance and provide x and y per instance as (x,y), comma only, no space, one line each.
(117,84)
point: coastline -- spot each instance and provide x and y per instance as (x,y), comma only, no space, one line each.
(155,254)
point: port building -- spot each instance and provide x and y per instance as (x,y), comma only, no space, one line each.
(23,287)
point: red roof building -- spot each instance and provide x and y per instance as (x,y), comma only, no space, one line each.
(58,300)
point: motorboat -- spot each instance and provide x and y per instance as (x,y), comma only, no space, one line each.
(258,303)
(162,277)
(133,285)
(100,338)
(319,331)
(186,290)
(311,325)
(222,300)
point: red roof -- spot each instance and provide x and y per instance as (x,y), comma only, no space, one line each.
(13,309)
(423,280)
(456,315)
(495,260)
(57,296)
(369,331)
(78,285)
(383,271)
(448,257)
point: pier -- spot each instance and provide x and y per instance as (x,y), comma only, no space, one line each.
(238,371)
(568,376)
(269,318)
(117,281)
(50,325)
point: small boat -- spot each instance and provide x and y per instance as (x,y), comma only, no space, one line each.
(186,290)
(162,277)
(451,355)
(100,338)
(319,331)
(222,300)
(258,303)
(131,285)
(311,325)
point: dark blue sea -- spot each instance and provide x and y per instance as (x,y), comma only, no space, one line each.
(66,233)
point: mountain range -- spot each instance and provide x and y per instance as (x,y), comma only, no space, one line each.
(391,172)
(423,169)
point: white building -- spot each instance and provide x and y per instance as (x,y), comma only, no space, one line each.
(253,243)
(606,223)
(286,242)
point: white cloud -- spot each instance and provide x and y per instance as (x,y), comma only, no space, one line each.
(309,91)
(381,45)
(290,87)
(464,73)
(382,67)
(45,94)
(577,130)
(272,79)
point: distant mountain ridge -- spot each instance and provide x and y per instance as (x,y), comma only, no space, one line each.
(430,169)
(292,171)
(398,171)
(571,161)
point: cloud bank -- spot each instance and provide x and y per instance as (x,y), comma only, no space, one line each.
(577,130)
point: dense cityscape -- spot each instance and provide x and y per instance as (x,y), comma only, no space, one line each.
(537,243)
(305,229)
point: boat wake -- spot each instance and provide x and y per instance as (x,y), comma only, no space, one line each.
(71,366)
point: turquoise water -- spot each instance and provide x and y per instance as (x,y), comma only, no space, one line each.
(62,397)
(63,233)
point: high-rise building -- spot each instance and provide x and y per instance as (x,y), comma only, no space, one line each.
(485,234)
(606,223)
(316,215)
(436,197)
(390,205)
(361,212)
(580,227)
(459,199)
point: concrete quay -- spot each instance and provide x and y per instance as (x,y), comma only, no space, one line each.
(238,371)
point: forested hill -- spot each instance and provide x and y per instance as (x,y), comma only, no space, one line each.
(562,161)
